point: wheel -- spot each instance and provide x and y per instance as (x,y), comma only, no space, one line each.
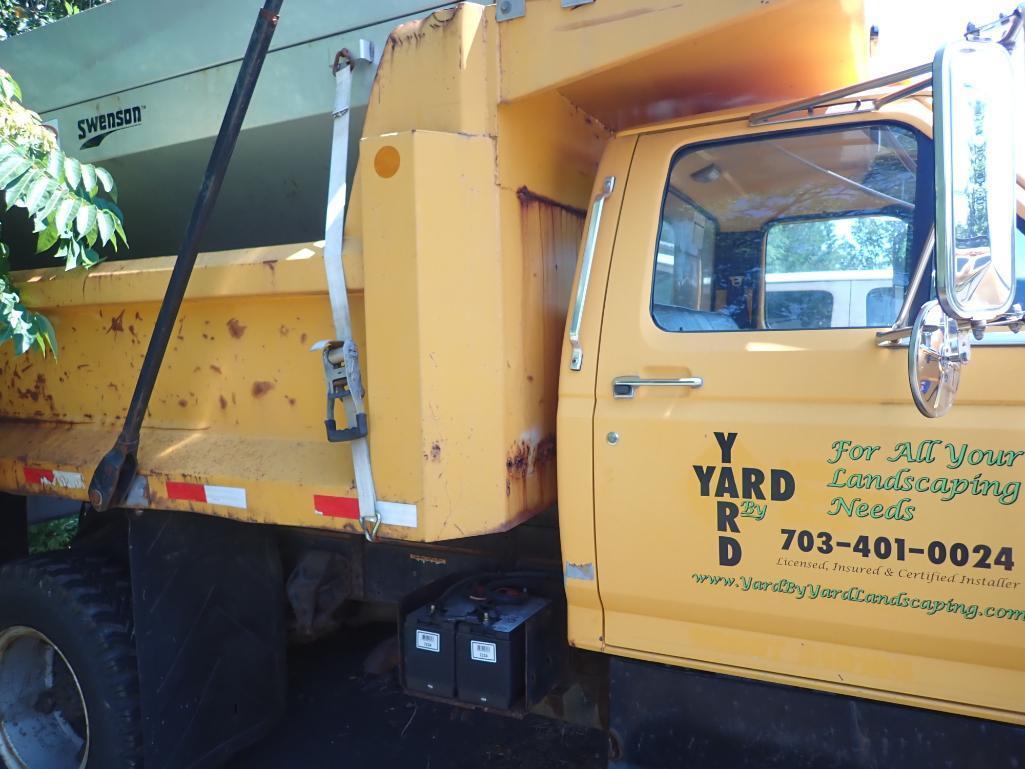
(69,694)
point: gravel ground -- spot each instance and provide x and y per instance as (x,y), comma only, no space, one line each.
(340,717)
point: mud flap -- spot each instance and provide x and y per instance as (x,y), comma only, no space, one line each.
(13,528)
(208,598)
(663,717)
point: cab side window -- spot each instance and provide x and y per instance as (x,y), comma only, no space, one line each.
(810,230)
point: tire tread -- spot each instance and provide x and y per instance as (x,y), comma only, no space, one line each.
(96,595)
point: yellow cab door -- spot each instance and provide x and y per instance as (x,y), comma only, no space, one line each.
(768,500)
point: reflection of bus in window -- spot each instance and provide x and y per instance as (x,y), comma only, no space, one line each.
(831,299)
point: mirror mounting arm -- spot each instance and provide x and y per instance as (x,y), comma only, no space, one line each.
(1016,18)
(1013,320)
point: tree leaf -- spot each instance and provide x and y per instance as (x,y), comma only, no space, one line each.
(107,182)
(108,205)
(105,222)
(36,193)
(55,165)
(22,343)
(47,238)
(74,250)
(90,257)
(66,211)
(9,86)
(120,231)
(46,335)
(47,210)
(85,219)
(89,179)
(13,166)
(16,191)
(72,172)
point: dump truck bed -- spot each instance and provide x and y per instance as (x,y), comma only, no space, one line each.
(461,243)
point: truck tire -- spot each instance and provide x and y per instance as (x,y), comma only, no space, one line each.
(69,694)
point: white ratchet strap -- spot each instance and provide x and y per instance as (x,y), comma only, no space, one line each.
(342,354)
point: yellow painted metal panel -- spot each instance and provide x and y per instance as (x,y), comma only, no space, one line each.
(628,63)
(576,421)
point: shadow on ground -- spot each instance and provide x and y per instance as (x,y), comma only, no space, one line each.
(339,717)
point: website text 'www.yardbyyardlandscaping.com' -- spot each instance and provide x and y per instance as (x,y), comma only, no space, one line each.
(814,591)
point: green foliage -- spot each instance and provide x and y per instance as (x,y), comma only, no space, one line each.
(52,535)
(22,15)
(72,207)
(857,243)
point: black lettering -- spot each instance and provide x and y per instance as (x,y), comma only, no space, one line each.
(136,114)
(726,514)
(729,551)
(81,129)
(91,124)
(704,475)
(782,485)
(119,118)
(727,485)
(103,122)
(752,480)
(726,441)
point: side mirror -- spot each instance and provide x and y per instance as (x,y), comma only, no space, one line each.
(973,114)
(937,350)
(973,132)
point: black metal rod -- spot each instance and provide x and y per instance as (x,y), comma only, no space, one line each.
(114,473)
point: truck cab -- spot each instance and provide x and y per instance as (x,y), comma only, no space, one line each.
(723,346)
(643,323)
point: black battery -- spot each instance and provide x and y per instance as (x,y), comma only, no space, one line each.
(491,650)
(429,652)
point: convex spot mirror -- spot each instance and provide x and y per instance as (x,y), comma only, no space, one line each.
(973,88)
(936,352)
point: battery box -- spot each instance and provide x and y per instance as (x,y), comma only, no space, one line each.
(494,654)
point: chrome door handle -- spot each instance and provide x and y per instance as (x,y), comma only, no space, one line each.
(625,386)
(576,357)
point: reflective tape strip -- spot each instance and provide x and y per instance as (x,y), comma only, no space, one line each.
(227,496)
(397,514)
(392,513)
(59,478)
(336,507)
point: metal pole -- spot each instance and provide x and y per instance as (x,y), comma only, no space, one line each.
(116,470)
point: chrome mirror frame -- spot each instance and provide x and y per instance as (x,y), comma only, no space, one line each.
(973,132)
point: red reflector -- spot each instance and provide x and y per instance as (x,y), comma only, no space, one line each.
(37,475)
(336,507)
(193,491)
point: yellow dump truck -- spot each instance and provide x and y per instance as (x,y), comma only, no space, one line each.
(614,376)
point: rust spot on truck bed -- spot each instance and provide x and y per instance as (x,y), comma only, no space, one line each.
(36,393)
(528,463)
(117,324)
(262,388)
(527,196)
(236,329)
(517,463)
